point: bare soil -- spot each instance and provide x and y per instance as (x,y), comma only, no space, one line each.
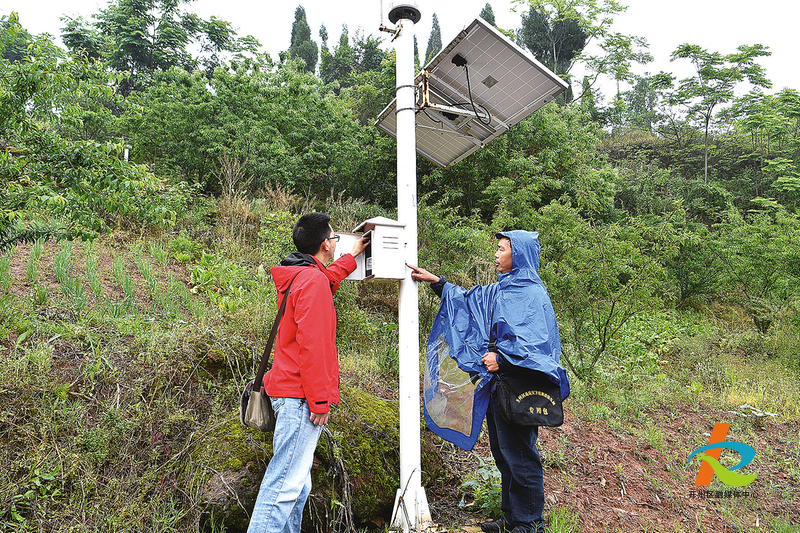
(619,481)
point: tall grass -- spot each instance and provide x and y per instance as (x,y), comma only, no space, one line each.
(92,268)
(62,263)
(5,270)
(126,283)
(159,253)
(35,255)
(146,270)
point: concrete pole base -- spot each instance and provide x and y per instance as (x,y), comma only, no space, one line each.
(411,511)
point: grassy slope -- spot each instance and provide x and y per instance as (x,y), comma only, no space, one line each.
(109,365)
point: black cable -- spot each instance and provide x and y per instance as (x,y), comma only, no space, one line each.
(425,110)
(472,102)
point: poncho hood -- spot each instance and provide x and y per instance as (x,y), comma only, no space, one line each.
(525,250)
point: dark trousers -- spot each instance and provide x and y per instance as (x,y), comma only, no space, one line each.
(515,454)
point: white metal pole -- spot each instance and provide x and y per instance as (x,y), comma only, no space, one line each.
(411,506)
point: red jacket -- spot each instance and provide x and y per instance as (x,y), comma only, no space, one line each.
(306,364)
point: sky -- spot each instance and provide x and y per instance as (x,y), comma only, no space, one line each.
(717,25)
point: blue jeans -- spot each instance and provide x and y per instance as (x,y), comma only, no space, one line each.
(515,454)
(287,481)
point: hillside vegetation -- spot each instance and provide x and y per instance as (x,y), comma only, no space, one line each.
(144,202)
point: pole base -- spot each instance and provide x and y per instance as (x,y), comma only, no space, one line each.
(411,511)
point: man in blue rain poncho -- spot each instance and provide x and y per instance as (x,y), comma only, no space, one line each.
(516,313)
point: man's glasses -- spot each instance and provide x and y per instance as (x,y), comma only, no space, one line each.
(334,238)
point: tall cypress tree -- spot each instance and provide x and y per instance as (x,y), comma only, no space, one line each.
(434,41)
(301,45)
(488,15)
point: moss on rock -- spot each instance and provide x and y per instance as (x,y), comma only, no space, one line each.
(228,462)
(356,471)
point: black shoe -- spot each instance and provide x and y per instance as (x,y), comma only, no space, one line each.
(536,527)
(495,526)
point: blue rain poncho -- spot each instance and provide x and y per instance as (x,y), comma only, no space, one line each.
(523,323)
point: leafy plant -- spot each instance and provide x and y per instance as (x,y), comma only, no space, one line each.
(600,276)
(145,269)
(486,488)
(40,294)
(184,249)
(37,491)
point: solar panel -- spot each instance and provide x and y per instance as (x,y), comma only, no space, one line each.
(505,83)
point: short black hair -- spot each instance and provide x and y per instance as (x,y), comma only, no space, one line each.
(310,232)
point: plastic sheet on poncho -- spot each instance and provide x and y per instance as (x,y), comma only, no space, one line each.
(457,385)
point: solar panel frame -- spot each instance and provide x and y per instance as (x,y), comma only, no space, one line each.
(503,79)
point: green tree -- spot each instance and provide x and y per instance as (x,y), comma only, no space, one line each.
(60,187)
(558,33)
(149,36)
(338,65)
(642,103)
(487,14)
(555,38)
(280,119)
(81,37)
(761,258)
(351,58)
(434,41)
(599,277)
(301,45)
(713,84)
(619,51)
(549,155)
(323,36)
(16,39)
(771,126)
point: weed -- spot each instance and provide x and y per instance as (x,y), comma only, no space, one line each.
(77,295)
(92,267)
(146,270)
(184,249)
(30,498)
(159,253)
(35,255)
(486,488)
(564,520)
(5,270)
(555,459)
(779,525)
(62,263)
(40,295)
(389,359)
(30,361)
(125,281)
(37,248)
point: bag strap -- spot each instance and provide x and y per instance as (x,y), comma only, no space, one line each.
(262,368)
(492,345)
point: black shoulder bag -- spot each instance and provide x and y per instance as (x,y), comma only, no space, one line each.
(526,397)
(255,409)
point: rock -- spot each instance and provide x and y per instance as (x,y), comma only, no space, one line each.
(355,474)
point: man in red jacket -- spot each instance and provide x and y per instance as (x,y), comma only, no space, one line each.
(304,379)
